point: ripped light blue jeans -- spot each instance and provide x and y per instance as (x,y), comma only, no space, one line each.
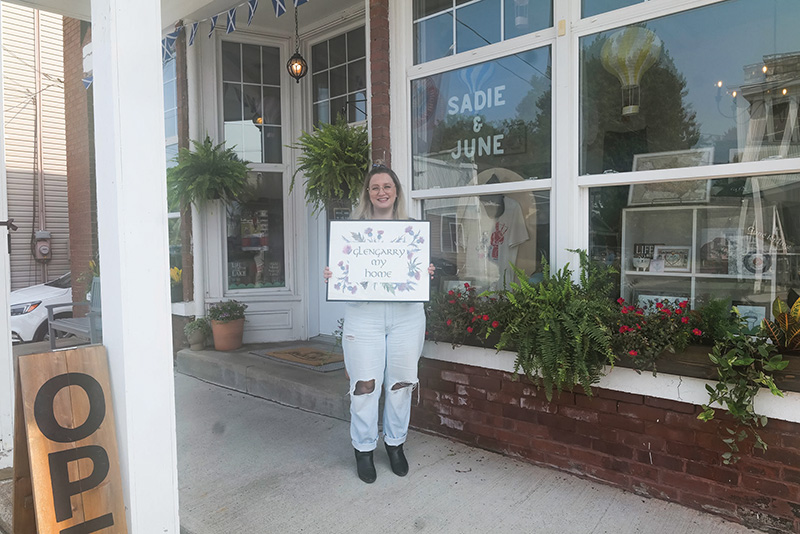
(382,341)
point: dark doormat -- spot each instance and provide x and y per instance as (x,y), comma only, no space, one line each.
(307,357)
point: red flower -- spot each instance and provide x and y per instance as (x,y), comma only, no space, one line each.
(659,305)
(472,309)
(633,353)
(466,285)
(449,322)
(495,324)
(485,317)
(697,332)
(451,301)
(620,300)
(684,320)
(469,329)
(678,311)
(451,292)
(473,319)
(683,304)
(624,310)
(639,312)
(667,311)
(624,328)
(639,327)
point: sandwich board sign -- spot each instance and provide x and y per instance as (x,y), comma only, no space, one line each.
(66,462)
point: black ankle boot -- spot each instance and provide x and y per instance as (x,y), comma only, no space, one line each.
(365,466)
(397,459)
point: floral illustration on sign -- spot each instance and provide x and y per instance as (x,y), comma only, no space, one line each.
(409,238)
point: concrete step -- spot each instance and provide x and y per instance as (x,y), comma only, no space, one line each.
(284,383)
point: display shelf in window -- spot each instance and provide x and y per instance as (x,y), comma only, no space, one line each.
(702,252)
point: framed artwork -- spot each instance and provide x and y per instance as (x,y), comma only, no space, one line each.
(648,301)
(681,192)
(676,258)
(375,260)
(752,314)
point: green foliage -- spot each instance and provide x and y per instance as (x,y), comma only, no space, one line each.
(715,319)
(210,172)
(466,317)
(744,365)
(784,330)
(559,327)
(226,311)
(645,334)
(200,324)
(334,160)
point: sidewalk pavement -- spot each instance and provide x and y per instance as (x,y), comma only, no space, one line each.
(250,465)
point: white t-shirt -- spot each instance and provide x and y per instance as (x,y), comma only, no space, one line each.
(492,246)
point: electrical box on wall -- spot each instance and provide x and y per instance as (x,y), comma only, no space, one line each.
(42,250)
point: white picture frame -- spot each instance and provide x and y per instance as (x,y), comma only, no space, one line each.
(671,192)
(754,315)
(676,258)
(383,261)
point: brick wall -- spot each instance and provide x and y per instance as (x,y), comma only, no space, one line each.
(652,447)
(379,71)
(82,203)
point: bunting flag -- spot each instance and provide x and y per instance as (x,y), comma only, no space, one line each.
(231,26)
(299,2)
(193,33)
(251,10)
(213,23)
(168,45)
(87,81)
(280,7)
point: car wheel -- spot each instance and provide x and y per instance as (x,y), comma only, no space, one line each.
(43,332)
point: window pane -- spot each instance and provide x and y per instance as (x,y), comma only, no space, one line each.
(232,101)
(252,103)
(338,108)
(272,144)
(171,123)
(272,105)
(526,16)
(170,96)
(357,109)
(339,80)
(255,236)
(594,7)
(433,38)
(175,259)
(495,114)
(231,62)
(356,44)
(251,64)
(477,25)
(338,50)
(319,57)
(322,113)
(649,100)
(734,239)
(320,83)
(271,65)
(423,8)
(357,76)
(475,239)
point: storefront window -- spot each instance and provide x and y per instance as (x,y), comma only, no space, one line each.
(736,239)
(477,23)
(474,240)
(339,78)
(717,84)
(595,7)
(251,100)
(495,114)
(255,236)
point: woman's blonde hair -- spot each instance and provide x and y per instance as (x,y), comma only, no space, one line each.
(364,210)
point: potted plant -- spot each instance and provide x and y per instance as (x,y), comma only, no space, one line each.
(227,324)
(197,331)
(209,172)
(334,160)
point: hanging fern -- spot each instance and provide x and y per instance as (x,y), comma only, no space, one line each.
(559,329)
(334,160)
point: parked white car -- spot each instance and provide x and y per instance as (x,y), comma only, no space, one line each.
(28,311)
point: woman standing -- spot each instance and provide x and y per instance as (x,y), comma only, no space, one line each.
(382,343)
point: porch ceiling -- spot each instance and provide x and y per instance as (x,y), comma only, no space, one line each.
(311,14)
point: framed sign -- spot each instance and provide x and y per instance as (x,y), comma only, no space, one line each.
(374,260)
(676,258)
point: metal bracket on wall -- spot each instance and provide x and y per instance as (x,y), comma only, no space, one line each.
(10,224)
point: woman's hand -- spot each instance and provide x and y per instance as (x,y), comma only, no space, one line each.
(326,274)
(431,269)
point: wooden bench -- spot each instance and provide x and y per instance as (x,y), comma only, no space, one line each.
(89,327)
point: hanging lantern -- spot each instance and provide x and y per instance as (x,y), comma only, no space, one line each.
(296,65)
(627,54)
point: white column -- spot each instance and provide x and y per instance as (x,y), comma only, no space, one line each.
(134,265)
(6,359)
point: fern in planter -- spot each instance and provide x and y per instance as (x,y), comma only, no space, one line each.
(209,172)
(559,328)
(334,160)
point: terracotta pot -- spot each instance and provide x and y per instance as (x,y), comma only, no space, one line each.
(227,336)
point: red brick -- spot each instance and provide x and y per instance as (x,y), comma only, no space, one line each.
(519,389)
(660,460)
(441,385)
(485,383)
(634,469)
(669,433)
(502,423)
(649,489)
(641,441)
(670,405)
(487,407)
(707,504)
(546,445)
(743,497)
(471,392)
(684,482)
(539,405)
(691,422)
(596,403)
(790,441)
(502,398)
(625,423)
(691,452)
(645,413)
(768,487)
(532,430)
(612,448)
(452,376)
(556,421)
(620,396)
(608,476)
(565,436)
(752,466)
(578,414)
(788,457)
(718,474)
(791,476)
(520,414)
(596,431)
(512,438)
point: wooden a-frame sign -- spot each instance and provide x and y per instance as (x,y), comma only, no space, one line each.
(66,464)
